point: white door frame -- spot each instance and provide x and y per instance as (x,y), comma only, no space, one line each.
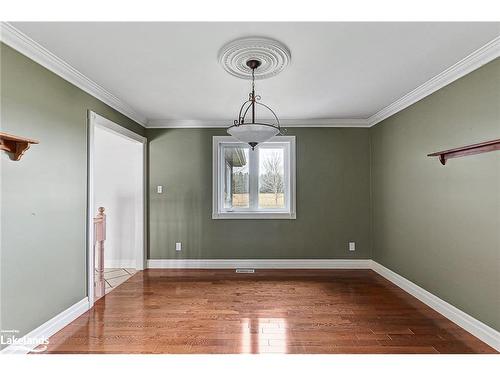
(94,120)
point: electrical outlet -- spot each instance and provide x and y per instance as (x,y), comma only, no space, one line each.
(352,246)
(178,246)
(159,189)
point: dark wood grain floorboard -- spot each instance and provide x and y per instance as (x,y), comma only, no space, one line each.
(271,311)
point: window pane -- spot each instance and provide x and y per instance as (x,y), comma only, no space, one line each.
(236,179)
(271,178)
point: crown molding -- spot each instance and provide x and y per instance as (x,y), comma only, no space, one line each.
(28,47)
(475,60)
(307,123)
(25,45)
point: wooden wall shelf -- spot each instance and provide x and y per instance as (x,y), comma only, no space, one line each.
(477,148)
(14,145)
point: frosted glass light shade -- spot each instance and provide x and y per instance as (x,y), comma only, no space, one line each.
(253,133)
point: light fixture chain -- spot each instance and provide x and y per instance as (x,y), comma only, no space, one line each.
(254,132)
(253,81)
(253,95)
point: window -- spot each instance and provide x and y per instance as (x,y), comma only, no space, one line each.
(258,184)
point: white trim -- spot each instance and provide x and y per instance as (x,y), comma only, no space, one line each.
(25,45)
(50,327)
(261,263)
(28,47)
(306,123)
(90,207)
(145,222)
(114,127)
(121,263)
(96,120)
(483,332)
(289,214)
(254,215)
(475,60)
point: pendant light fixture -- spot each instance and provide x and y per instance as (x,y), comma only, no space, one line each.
(249,130)
(255,58)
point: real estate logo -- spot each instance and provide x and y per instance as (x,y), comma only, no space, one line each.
(25,344)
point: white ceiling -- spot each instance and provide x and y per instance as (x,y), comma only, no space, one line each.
(169,71)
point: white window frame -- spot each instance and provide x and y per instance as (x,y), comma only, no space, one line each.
(218,211)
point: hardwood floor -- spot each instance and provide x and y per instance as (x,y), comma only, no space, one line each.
(271,311)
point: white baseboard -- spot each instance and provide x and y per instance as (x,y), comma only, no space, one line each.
(483,332)
(120,263)
(48,328)
(261,263)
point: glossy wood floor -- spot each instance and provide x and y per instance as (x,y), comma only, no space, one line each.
(278,311)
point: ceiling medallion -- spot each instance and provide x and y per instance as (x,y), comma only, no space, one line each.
(253,58)
(274,56)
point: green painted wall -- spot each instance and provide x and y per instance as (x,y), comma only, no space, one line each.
(43,196)
(332,199)
(439,226)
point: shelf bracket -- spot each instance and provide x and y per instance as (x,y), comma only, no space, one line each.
(15,146)
(477,148)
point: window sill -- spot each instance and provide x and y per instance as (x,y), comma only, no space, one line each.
(255,215)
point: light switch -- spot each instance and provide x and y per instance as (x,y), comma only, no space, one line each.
(159,189)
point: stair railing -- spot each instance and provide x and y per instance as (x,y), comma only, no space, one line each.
(99,238)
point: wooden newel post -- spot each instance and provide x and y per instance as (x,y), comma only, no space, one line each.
(99,238)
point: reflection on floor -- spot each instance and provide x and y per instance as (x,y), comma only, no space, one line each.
(116,276)
(270,311)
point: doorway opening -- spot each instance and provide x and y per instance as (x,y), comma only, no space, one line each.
(116,205)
